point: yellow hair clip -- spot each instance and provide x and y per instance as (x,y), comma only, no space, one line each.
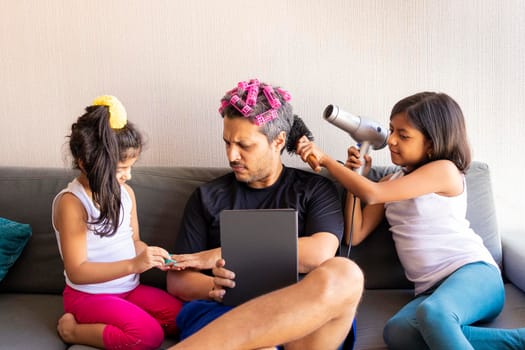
(118,117)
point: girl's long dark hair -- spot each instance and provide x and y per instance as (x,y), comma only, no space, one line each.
(96,149)
(439,117)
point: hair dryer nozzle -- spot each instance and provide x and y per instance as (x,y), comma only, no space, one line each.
(360,129)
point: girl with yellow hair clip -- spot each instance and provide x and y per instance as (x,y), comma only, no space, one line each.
(96,225)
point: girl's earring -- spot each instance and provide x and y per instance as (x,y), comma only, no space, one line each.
(429,155)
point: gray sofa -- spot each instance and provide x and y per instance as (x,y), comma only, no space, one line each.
(30,294)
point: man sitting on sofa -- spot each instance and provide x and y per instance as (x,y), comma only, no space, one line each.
(315,313)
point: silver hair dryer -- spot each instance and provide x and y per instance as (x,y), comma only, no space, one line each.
(364,131)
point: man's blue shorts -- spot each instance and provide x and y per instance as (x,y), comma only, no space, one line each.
(196,314)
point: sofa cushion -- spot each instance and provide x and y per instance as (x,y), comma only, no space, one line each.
(376,308)
(13,239)
(29,321)
(27,194)
(481,210)
(513,243)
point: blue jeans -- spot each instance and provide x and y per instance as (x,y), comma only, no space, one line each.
(443,318)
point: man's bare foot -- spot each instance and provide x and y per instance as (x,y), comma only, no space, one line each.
(66,327)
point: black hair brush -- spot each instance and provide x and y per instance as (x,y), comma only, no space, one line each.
(299,130)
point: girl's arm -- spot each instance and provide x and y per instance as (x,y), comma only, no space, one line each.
(441,177)
(360,221)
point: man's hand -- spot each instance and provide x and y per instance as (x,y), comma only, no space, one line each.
(204,260)
(223,278)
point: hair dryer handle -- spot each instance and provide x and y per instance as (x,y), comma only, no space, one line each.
(364,148)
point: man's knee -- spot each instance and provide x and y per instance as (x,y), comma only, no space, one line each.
(341,278)
(346,273)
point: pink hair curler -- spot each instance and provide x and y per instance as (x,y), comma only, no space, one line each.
(253,92)
(240,105)
(272,98)
(284,94)
(254,81)
(265,117)
(231,92)
(224,103)
(241,87)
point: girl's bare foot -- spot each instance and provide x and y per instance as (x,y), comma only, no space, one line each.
(66,327)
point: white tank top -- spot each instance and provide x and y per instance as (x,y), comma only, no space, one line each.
(433,238)
(104,249)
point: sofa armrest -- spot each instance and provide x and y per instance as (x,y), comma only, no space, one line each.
(513,244)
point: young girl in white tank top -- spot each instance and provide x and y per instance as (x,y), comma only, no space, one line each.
(457,282)
(96,225)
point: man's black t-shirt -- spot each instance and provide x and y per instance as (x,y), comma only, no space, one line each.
(313,196)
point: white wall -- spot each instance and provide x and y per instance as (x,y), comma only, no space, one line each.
(170,61)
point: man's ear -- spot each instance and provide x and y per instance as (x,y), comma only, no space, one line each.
(280,141)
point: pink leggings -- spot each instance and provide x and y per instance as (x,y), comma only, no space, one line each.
(134,320)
